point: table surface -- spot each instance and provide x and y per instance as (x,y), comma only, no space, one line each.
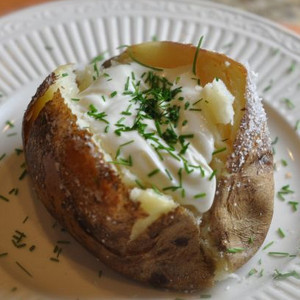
(286,12)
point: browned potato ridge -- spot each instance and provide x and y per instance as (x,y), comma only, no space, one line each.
(88,198)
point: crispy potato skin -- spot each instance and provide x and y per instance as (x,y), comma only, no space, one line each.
(89,199)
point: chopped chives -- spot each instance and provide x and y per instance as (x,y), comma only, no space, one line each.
(113,94)
(279,254)
(24,173)
(252,272)
(212,175)
(25,220)
(205,296)
(219,150)
(235,250)
(268,87)
(289,103)
(3,254)
(281,233)
(251,240)
(285,190)
(97,58)
(4,198)
(268,245)
(64,74)
(201,195)
(196,55)
(169,174)
(279,275)
(32,248)
(10,124)
(63,242)
(284,162)
(140,184)
(152,173)
(294,205)
(24,269)
(2,156)
(75,99)
(54,259)
(291,68)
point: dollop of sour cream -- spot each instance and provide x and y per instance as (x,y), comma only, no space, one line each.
(157,128)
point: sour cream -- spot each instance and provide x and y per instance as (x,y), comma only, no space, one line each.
(171,159)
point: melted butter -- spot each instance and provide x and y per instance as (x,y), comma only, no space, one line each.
(185,178)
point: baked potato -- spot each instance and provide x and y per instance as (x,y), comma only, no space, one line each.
(111,200)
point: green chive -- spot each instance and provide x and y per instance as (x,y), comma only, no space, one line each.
(98,58)
(184,122)
(252,272)
(64,74)
(24,269)
(75,99)
(284,162)
(235,250)
(2,156)
(25,220)
(54,259)
(285,190)
(196,55)
(140,184)
(281,233)
(63,242)
(251,240)
(291,68)
(268,87)
(24,173)
(294,205)
(195,109)
(4,198)
(10,124)
(3,254)
(212,175)
(32,248)
(219,150)
(152,173)
(113,94)
(140,63)
(201,195)
(279,275)
(205,296)
(268,245)
(289,103)
(169,174)
(279,254)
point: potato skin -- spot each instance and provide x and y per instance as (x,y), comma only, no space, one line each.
(89,199)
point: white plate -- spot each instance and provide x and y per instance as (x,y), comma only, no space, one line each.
(34,41)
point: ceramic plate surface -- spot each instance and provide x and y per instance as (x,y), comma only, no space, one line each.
(34,41)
